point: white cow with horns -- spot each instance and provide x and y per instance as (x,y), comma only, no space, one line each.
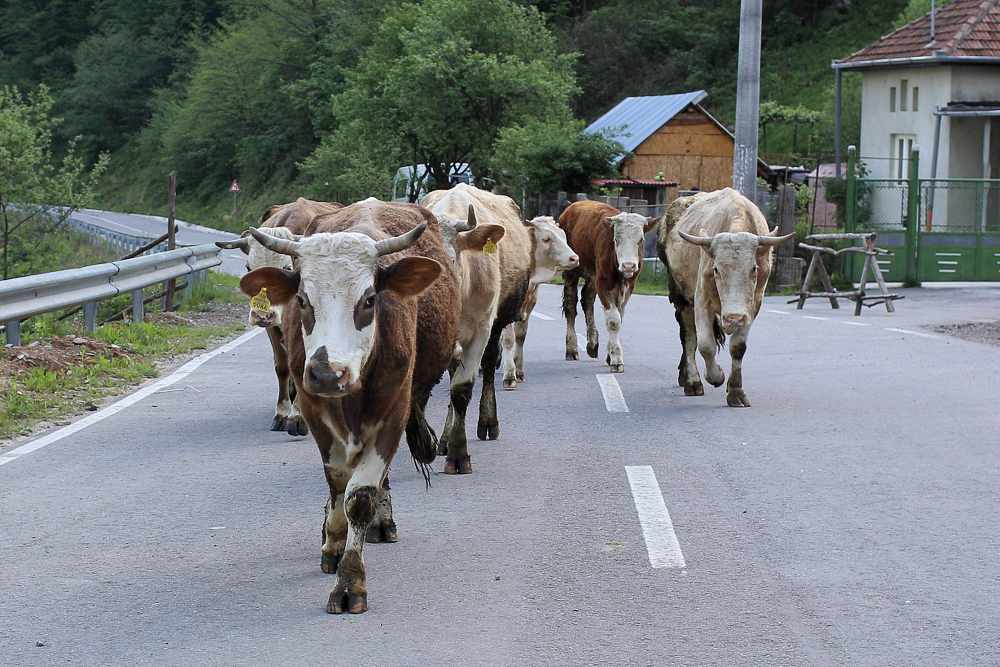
(717,249)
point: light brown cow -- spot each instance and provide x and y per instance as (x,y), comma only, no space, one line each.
(609,244)
(717,250)
(371,323)
(550,256)
(284,221)
(492,254)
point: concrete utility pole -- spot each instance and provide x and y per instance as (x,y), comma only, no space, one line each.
(747,100)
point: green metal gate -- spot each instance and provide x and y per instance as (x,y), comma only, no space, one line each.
(956,230)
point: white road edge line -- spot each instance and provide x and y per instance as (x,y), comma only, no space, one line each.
(912,333)
(129,400)
(613,397)
(542,317)
(661,542)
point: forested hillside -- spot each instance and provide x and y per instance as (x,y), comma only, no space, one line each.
(329,97)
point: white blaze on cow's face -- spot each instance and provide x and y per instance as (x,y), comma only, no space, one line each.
(629,229)
(338,302)
(552,253)
(258,256)
(734,258)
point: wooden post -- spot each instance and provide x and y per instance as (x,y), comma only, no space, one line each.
(171,239)
(912,211)
(851,206)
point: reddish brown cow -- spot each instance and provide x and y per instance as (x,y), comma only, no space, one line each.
(283,221)
(608,243)
(371,322)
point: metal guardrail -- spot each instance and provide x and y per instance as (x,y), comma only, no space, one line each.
(21,298)
(126,243)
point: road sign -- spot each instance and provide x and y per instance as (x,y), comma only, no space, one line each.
(235,187)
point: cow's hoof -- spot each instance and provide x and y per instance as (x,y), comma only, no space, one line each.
(696,389)
(617,368)
(329,562)
(355,604)
(443,445)
(573,355)
(520,377)
(463,466)
(278,424)
(384,532)
(592,350)
(297,426)
(509,384)
(488,431)
(737,398)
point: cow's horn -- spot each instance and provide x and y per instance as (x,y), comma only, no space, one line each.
(274,244)
(402,242)
(696,240)
(240,243)
(468,225)
(774,240)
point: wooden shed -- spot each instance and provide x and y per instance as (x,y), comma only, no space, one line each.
(675,139)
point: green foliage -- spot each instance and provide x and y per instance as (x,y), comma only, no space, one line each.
(34,194)
(554,157)
(444,78)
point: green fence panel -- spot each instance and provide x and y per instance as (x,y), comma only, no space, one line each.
(945,257)
(988,258)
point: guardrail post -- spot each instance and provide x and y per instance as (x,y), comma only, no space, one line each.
(137,313)
(90,315)
(13,332)
(912,224)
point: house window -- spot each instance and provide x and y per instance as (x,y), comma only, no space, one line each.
(916,96)
(900,153)
(892,98)
(903,85)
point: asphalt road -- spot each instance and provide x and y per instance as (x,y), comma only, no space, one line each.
(847,518)
(152,226)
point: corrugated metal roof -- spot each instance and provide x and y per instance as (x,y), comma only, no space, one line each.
(642,116)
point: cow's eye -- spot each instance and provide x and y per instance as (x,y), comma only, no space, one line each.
(717,272)
(546,239)
(301,300)
(370,301)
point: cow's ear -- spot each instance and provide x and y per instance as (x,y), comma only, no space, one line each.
(408,277)
(281,284)
(477,239)
(650,223)
(608,222)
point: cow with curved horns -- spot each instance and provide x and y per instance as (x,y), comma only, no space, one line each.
(551,255)
(609,244)
(492,254)
(717,249)
(370,322)
(283,221)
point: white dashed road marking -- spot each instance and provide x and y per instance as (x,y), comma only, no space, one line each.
(661,541)
(129,400)
(535,313)
(912,333)
(613,397)
(779,312)
(856,324)
(813,317)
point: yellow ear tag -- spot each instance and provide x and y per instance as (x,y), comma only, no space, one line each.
(490,248)
(260,302)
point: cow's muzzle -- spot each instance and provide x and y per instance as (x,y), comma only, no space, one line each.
(323,378)
(572,262)
(259,319)
(628,269)
(733,322)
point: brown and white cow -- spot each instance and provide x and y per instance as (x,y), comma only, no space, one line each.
(551,255)
(285,221)
(493,275)
(717,250)
(370,322)
(609,244)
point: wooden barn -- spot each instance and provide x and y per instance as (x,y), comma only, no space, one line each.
(673,139)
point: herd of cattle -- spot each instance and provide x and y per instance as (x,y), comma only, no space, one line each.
(367,305)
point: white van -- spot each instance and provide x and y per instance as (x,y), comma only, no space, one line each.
(410,179)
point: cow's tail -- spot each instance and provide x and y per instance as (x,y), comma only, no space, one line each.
(720,334)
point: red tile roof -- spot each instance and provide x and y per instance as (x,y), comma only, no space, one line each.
(963,29)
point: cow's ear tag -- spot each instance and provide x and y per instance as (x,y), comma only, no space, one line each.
(260,302)
(490,248)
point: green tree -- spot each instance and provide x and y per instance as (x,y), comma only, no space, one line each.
(35,194)
(554,157)
(444,78)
